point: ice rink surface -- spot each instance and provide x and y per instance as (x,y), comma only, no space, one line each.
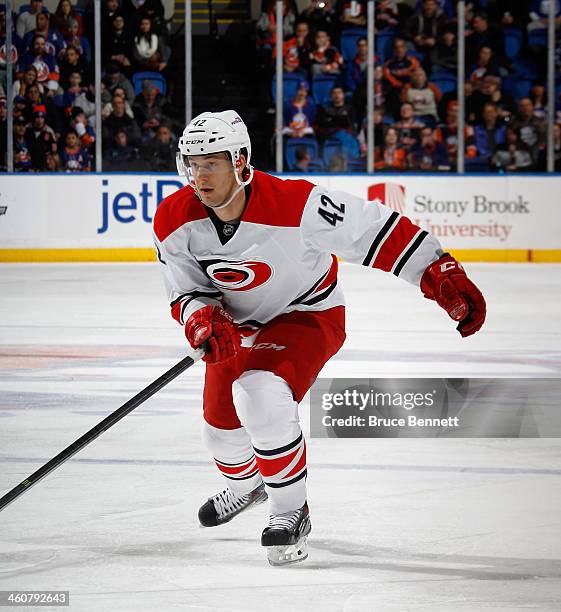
(398,524)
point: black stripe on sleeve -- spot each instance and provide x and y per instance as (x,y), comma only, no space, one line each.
(379,237)
(195,294)
(282,449)
(320,296)
(407,255)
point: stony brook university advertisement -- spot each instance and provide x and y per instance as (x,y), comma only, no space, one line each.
(109,216)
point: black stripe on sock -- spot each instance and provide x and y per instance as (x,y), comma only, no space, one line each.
(282,449)
(241,477)
(278,485)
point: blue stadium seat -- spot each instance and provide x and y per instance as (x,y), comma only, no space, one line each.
(316,165)
(322,85)
(24,8)
(445,81)
(292,144)
(349,39)
(154,77)
(518,85)
(513,42)
(331,147)
(537,38)
(384,44)
(290,83)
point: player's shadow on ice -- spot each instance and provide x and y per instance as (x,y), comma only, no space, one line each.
(475,567)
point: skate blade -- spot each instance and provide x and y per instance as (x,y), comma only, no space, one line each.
(286,555)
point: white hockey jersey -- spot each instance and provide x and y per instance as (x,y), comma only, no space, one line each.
(282,256)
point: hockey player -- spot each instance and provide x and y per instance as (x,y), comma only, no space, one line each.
(249,262)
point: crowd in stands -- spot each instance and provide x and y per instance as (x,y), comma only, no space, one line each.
(325,55)
(54,96)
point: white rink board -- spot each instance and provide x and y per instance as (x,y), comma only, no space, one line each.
(116,211)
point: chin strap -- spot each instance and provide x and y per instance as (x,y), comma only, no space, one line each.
(241,185)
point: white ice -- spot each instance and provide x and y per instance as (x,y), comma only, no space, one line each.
(398,524)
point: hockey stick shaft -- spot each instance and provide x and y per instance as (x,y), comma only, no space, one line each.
(96,431)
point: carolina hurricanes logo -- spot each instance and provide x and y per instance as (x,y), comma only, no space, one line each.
(390,194)
(238,275)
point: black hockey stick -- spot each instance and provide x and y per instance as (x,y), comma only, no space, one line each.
(96,431)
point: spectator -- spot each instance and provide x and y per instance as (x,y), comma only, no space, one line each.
(296,51)
(387,15)
(445,55)
(61,19)
(321,15)
(267,24)
(73,158)
(108,108)
(54,42)
(73,90)
(34,98)
(408,127)
(510,14)
(149,51)
(391,156)
(490,133)
(423,96)
(484,65)
(352,13)
(52,162)
(325,59)
(27,21)
(299,114)
(355,71)
(84,130)
(336,116)
(136,10)
(114,78)
(109,9)
(557,146)
(539,13)
(118,47)
(148,109)
(118,120)
(80,43)
(484,34)
(303,159)
(429,155)
(447,134)
(22,152)
(119,155)
(538,95)
(86,101)
(385,96)
(26,79)
(45,65)
(513,155)
(529,129)
(159,152)
(3,133)
(490,91)
(398,69)
(425,26)
(71,62)
(41,138)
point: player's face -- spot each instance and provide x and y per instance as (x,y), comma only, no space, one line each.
(214,177)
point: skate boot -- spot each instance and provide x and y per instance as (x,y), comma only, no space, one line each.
(224,506)
(285,536)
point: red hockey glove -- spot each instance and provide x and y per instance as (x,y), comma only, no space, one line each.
(446,282)
(214,326)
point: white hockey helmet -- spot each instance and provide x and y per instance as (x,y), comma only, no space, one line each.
(215,133)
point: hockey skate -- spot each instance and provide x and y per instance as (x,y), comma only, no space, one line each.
(285,537)
(224,506)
